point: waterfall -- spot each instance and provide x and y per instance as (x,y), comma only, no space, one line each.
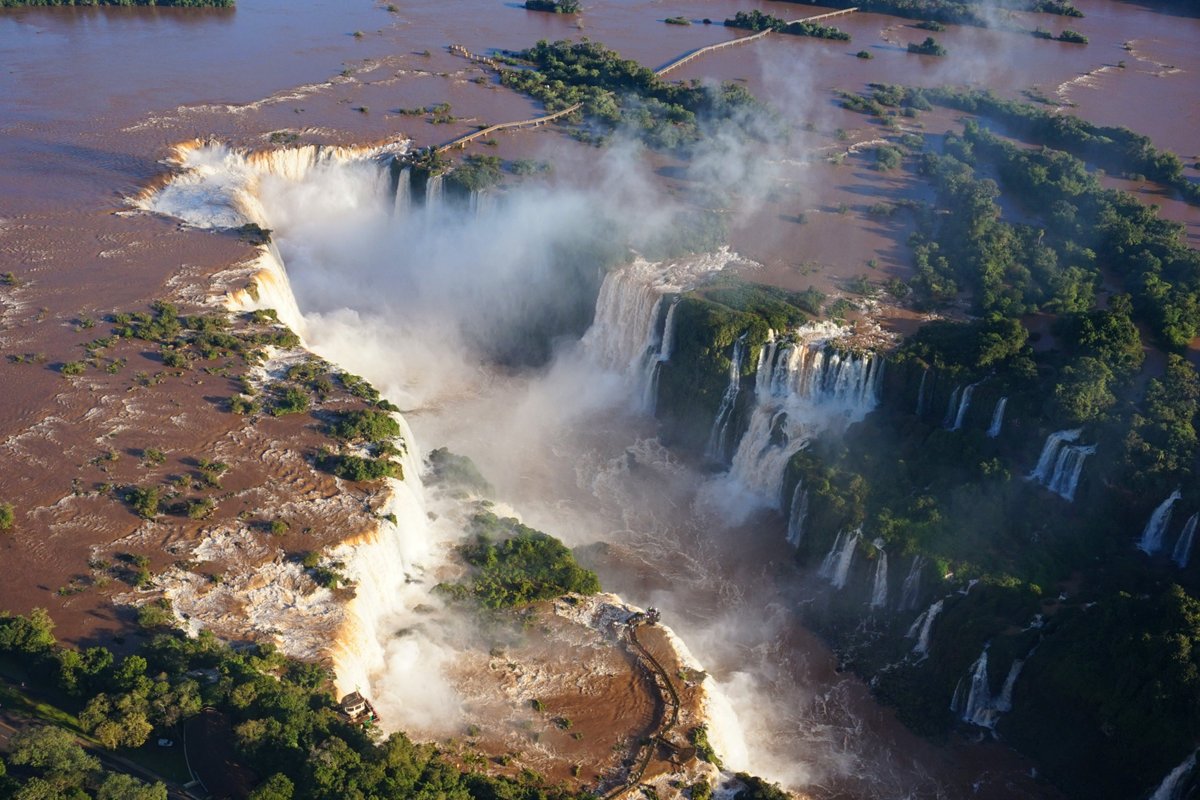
(1067,469)
(625,336)
(963,405)
(951,408)
(1003,703)
(434,188)
(1173,783)
(879,589)
(921,393)
(923,625)
(1054,441)
(836,566)
(663,354)
(803,385)
(797,514)
(975,707)
(910,590)
(1156,526)
(387,561)
(1183,547)
(997,418)
(1061,463)
(402,205)
(718,437)
(978,707)
(668,336)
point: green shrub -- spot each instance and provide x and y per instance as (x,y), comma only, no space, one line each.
(704,751)
(200,508)
(364,426)
(73,368)
(357,468)
(290,401)
(7,516)
(143,501)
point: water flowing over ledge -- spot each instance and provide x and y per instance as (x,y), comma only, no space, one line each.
(805,384)
(393,566)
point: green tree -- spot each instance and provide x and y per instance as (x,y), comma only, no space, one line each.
(1162,440)
(276,787)
(55,753)
(117,722)
(119,786)
(1084,391)
(31,635)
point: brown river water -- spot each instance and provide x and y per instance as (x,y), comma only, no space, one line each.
(91,101)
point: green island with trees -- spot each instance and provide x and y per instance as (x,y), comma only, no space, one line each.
(515,565)
(554,6)
(619,92)
(758,21)
(929,47)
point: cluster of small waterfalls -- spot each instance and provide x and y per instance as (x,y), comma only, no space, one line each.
(805,382)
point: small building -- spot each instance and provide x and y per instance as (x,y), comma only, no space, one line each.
(357,708)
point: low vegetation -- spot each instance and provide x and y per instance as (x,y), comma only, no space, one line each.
(929,47)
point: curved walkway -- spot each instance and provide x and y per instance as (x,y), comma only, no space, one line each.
(662,679)
(466,138)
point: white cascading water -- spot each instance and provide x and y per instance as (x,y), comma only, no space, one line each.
(975,704)
(1173,784)
(1060,464)
(921,393)
(1045,464)
(402,204)
(951,408)
(922,627)
(879,587)
(1182,553)
(836,566)
(993,431)
(802,387)
(718,437)
(1068,467)
(434,191)
(650,391)
(963,406)
(668,337)
(219,189)
(1151,540)
(625,337)
(797,514)
(910,590)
